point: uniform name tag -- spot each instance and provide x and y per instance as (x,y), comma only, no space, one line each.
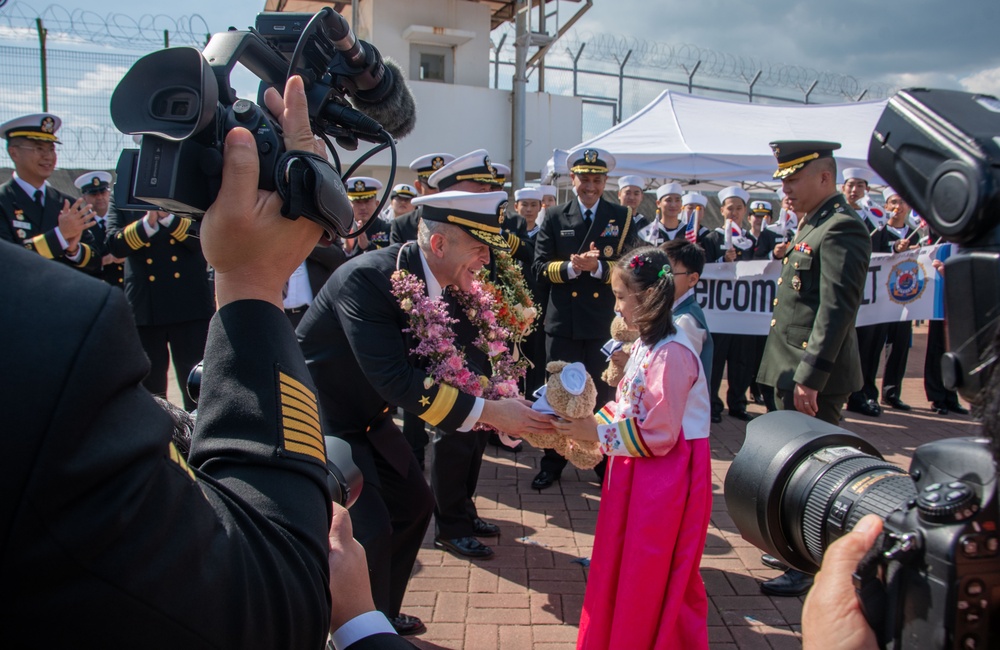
(22,224)
(567,233)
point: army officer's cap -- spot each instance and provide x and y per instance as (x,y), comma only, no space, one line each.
(793,155)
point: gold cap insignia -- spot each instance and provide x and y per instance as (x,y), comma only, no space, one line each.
(95,181)
(359,186)
(437,163)
(590,156)
(48,125)
(489,166)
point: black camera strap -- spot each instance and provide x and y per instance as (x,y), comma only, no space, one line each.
(310,187)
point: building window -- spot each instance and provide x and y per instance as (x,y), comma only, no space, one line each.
(432,63)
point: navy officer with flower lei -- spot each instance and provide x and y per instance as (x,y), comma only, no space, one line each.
(360,355)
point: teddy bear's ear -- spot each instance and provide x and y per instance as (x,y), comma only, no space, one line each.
(555,366)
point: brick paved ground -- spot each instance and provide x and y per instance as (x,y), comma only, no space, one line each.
(529,595)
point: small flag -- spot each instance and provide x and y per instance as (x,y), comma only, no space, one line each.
(691,227)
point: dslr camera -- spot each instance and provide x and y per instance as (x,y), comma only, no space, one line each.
(180,101)
(932,579)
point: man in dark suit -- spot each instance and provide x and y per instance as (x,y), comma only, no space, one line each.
(361,359)
(576,246)
(34,214)
(96,190)
(811,357)
(168,286)
(104,519)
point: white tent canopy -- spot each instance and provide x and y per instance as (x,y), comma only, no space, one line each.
(706,142)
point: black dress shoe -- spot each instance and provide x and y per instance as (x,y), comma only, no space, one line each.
(484,528)
(955,407)
(869,408)
(772,562)
(897,404)
(790,583)
(406,625)
(940,408)
(874,405)
(716,417)
(544,479)
(465,546)
(741,415)
(758,398)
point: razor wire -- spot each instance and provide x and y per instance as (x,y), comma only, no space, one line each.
(80,26)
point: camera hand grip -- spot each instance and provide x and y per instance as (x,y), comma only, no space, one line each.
(310,187)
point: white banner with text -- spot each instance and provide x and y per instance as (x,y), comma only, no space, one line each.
(738,297)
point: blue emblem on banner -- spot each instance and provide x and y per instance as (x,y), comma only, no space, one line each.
(907,281)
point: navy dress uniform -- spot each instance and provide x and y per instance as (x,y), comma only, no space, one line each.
(812,340)
(522,248)
(580,305)
(29,215)
(363,194)
(404,227)
(354,340)
(167,283)
(90,185)
(104,520)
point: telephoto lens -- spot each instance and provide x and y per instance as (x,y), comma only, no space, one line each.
(798,484)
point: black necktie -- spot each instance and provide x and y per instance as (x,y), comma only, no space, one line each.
(586,216)
(38,198)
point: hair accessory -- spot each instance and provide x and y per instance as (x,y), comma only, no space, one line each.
(666,270)
(637,263)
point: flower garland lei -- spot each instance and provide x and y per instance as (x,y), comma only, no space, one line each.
(515,306)
(431,325)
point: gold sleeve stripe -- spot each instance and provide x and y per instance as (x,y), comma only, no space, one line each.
(621,242)
(554,270)
(443,402)
(132,236)
(176,457)
(305,450)
(292,401)
(88,253)
(301,431)
(294,388)
(180,232)
(514,242)
(42,247)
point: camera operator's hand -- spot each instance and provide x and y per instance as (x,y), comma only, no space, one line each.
(831,617)
(350,589)
(253,249)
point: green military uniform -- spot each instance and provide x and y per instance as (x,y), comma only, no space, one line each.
(812,340)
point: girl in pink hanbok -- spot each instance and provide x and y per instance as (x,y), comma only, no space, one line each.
(644,589)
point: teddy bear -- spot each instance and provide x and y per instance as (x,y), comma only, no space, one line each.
(570,393)
(619,332)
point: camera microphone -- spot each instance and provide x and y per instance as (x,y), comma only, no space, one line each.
(393,108)
(380,89)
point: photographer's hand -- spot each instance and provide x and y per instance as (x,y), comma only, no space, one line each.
(350,589)
(831,617)
(253,249)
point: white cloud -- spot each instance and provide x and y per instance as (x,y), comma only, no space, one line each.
(984,81)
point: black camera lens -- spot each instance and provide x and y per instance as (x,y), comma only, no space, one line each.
(798,484)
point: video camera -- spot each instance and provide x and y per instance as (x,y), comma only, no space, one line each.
(182,104)
(932,579)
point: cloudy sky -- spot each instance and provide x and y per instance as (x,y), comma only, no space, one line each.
(935,43)
(898,43)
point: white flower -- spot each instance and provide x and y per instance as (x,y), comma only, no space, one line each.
(406,304)
(428,382)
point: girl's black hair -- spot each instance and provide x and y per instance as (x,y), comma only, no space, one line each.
(649,268)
